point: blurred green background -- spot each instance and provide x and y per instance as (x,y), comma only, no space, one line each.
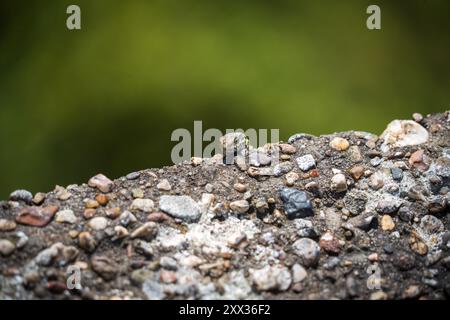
(106,98)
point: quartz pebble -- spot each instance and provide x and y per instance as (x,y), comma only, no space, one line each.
(306,162)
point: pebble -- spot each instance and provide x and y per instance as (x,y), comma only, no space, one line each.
(296,203)
(389,206)
(376,181)
(91,204)
(147,231)
(22,239)
(402,133)
(127,218)
(7,225)
(417,117)
(339,183)
(304,228)
(62,193)
(98,223)
(387,224)
(282,168)
(431,225)
(362,222)
(6,247)
(291,178)
(417,245)
(419,160)
(355,201)
(36,217)
(39,198)
(182,207)
(144,248)
(144,205)
(104,267)
(120,232)
(330,243)
(355,154)
(133,176)
(307,250)
(89,213)
(240,206)
(240,187)
(272,278)
(287,148)
(357,172)
(168,263)
(412,292)
(101,182)
(298,273)
(65,216)
(102,199)
(306,162)
(164,185)
(339,144)
(397,174)
(375,162)
(21,195)
(87,242)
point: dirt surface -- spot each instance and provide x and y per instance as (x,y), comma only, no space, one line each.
(361,217)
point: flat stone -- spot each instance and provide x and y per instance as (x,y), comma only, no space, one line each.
(36,217)
(182,207)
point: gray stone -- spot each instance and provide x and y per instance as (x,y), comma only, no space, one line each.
(182,207)
(296,203)
(306,162)
(21,195)
(307,250)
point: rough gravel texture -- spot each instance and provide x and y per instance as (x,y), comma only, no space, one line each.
(374,225)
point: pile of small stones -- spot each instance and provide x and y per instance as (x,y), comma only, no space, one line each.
(350,215)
